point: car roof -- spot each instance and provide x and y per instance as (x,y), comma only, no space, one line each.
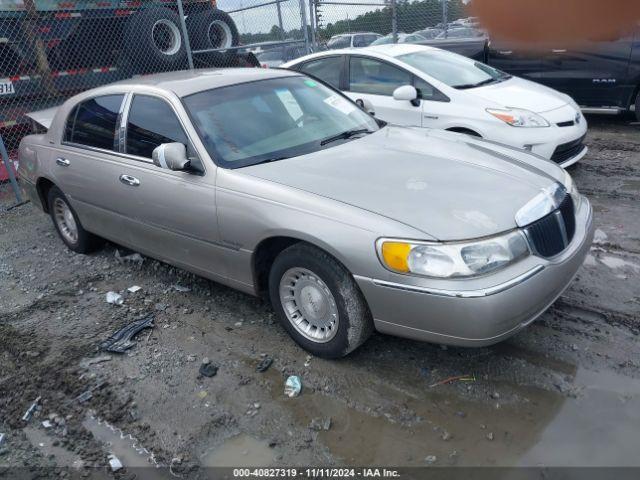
(388,50)
(186,82)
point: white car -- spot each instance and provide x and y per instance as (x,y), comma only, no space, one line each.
(423,86)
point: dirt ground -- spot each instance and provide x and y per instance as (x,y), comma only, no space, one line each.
(563,392)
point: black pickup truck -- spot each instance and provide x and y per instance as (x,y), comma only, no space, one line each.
(602,77)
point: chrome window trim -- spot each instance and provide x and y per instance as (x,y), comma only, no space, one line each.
(483,292)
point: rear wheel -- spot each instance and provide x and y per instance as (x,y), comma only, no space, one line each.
(318,302)
(68,224)
(638,105)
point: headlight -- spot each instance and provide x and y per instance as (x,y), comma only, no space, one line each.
(517,117)
(573,190)
(460,259)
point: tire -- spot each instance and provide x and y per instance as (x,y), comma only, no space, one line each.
(345,321)
(153,41)
(638,106)
(83,241)
(212,28)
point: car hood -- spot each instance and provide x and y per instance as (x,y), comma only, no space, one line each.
(520,93)
(450,186)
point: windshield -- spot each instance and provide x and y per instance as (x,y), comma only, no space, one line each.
(269,120)
(453,69)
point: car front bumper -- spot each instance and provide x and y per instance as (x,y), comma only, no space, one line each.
(480,316)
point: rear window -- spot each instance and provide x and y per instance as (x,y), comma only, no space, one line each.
(94,122)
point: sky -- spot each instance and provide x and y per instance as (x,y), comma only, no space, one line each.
(261,19)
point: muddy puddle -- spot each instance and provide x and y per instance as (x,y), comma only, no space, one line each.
(597,425)
(240,450)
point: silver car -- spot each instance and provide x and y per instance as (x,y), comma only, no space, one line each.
(277,185)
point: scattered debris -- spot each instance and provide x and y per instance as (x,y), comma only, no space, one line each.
(207,368)
(134,289)
(446,436)
(47,424)
(307,362)
(461,378)
(2,435)
(293,386)
(131,258)
(161,307)
(181,288)
(490,436)
(599,237)
(121,341)
(495,395)
(264,364)
(430,459)
(201,394)
(114,463)
(191,358)
(30,411)
(114,298)
(88,394)
(318,424)
(93,361)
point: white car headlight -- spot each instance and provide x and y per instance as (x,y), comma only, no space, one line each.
(459,259)
(517,117)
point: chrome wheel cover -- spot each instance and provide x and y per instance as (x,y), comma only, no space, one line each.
(309,305)
(65,220)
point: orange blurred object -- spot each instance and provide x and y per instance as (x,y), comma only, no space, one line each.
(557,21)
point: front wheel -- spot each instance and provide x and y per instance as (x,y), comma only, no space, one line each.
(638,106)
(318,302)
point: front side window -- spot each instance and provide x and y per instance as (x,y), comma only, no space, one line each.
(94,122)
(374,77)
(326,69)
(151,122)
(453,69)
(270,120)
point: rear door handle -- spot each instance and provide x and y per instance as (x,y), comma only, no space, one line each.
(63,162)
(505,52)
(559,50)
(129,180)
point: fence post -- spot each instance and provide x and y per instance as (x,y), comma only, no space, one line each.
(394,21)
(445,19)
(303,21)
(185,34)
(9,167)
(312,22)
(280,24)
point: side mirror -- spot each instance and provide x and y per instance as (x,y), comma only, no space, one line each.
(407,93)
(366,105)
(172,156)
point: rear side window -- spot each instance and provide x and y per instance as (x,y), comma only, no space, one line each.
(339,42)
(94,122)
(151,123)
(374,77)
(326,69)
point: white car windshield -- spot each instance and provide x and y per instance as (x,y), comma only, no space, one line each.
(270,120)
(453,69)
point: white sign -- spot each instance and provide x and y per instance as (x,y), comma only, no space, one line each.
(6,87)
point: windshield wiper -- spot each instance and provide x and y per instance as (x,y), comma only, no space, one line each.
(474,85)
(269,160)
(345,135)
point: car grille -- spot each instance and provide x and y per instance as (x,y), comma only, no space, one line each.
(568,150)
(552,234)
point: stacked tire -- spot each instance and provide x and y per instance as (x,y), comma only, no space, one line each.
(154,41)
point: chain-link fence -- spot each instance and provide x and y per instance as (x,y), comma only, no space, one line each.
(53,49)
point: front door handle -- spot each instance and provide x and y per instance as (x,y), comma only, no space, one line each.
(559,50)
(129,180)
(505,52)
(63,162)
